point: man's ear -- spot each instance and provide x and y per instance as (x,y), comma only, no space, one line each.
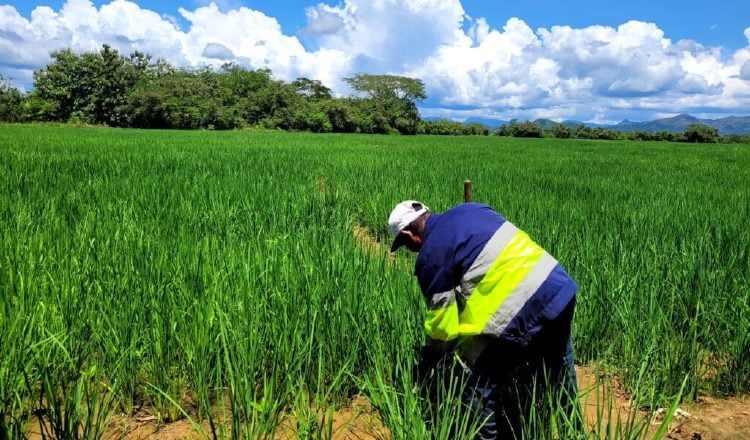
(412,236)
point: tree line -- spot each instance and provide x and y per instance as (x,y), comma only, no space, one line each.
(695,133)
(106,88)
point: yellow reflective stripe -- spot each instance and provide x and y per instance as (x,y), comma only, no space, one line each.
(442,324)
(511,267)
(487,257)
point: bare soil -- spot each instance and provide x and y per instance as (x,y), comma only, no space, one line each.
(714,419)
(706,419)
(356,421)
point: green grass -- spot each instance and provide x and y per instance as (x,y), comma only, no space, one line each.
(174,270)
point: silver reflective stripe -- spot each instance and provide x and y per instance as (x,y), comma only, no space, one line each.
(441,300)
(518,297)
(486,258)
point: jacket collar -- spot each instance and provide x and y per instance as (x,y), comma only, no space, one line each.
(429,225)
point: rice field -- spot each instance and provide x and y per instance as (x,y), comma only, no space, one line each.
(214,277)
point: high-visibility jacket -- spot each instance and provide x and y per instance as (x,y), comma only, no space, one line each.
(484,278)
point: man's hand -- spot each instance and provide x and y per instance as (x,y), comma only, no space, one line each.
(429,358)
(435,371)
(430,362)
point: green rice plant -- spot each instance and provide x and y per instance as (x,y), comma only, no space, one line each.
(15,405)
(214,276)
(74,401)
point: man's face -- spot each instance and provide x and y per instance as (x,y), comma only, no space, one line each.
(412,240)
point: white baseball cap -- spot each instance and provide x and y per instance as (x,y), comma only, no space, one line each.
(402,215)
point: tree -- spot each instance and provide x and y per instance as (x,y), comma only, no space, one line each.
(311,116)
(114,77)
(341,115)
(392,99)
(453,128)
(242,82)
(91,87)
(441,127)
(732,138)
(561,131)
(475,129)
(639,135)
(583,132)
(11,102)
(700,133)
(526,129)
(385,87)
(271,105)
(602,133)
(106,88)
(666,135)
(503,130)
(311,89)
(184,99)
(58,87)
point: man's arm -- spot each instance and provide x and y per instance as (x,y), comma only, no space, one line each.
(441,323)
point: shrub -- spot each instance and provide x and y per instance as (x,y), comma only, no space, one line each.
(700,133)
(526,129)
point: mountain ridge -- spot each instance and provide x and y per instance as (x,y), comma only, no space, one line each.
(676,124)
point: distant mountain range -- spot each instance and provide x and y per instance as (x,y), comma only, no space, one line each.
(677,124)
(728,125)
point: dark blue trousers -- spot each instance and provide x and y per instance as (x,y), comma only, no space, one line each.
(503,381)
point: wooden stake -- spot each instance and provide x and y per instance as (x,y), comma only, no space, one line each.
(467,191)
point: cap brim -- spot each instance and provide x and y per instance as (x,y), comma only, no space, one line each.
(398,242)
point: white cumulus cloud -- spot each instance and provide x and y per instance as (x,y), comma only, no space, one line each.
(585,73)
(387,36)
(500,70)
(214,37)
(745,71)
(324,19)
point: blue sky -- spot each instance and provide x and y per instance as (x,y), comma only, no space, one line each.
(715,23)
(599,61)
